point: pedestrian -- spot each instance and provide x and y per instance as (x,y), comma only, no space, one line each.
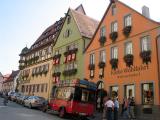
(104,108)
(132,108)
(116,108)
(126,108)
(5,101)
(109,107)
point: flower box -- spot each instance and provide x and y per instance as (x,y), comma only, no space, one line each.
(128,59)
(91,66)
(114,36)
(114,63)
(102,40)
(127,30)
(146,56)
(101,64)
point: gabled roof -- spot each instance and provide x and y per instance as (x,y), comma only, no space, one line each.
(86,25)
(80,9)
(114,1)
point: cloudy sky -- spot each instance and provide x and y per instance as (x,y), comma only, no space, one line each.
(22,22)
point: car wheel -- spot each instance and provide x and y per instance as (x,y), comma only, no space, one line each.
(30,106)
(62,112)
(45,108)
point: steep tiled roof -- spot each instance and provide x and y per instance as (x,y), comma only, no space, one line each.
(86,25)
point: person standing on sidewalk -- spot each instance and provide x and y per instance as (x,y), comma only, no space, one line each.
(109,106)
(116,108)
(104,108)
(132,107)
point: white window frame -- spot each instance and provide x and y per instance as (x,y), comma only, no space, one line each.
(127,20)
(114,52)
(128,48)
(114,26)
(92,58)
(102,56)
(145,43)
(103,31)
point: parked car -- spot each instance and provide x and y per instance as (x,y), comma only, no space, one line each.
(10,94)
(22,98)
(15,95)
(34,101)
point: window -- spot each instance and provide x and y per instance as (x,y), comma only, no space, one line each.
(42,87)
(46,87)
(128,48)
(129,91)
(92,59)
(114,27)
(38,88)
(68,19)
(114,9)
(147,93)
(114,91)
(103,31)
(114,52)
(56,52)
(145,43)
(67,33)
(102,56)
(127,20)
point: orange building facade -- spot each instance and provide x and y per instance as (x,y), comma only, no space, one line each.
(123,57)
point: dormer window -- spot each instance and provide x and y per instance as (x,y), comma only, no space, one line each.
(68,19)
(114,10)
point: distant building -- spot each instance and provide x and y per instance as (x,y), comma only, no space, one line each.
(1,81)
(35,63)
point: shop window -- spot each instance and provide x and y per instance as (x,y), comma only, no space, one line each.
(147,93)
(129,91)
(114,91)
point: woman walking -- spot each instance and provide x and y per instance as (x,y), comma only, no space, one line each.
(109,106)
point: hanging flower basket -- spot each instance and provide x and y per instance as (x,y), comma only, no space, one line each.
(114,36)
(146,56)
(127,30)
(128,59)
(91,66)
(56,56)
(114,63)
(66,53)
(102,40)
(101,64)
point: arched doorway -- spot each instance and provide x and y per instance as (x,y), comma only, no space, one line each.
(101,93)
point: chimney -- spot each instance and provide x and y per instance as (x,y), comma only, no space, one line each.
(145,11)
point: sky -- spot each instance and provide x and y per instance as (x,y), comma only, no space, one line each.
(23,21)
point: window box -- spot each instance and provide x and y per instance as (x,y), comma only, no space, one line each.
(56,74)
(21,61)
(66,53)
(127,30)
(101,64)
(146,56)
(102,40)
(128,59)
(74,50)
(56,56)
(91,66)
(114,36)
(65,72)
(114,63)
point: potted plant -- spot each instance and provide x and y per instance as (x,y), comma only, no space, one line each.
(101,64)
(114,36)
(91,66)
(146,56)
(128,59)
(114,63)
(102,40)
(127,30)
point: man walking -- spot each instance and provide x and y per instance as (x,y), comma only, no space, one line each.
(109,106)
(116,107)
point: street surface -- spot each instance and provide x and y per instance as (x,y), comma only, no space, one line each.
(15,111)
